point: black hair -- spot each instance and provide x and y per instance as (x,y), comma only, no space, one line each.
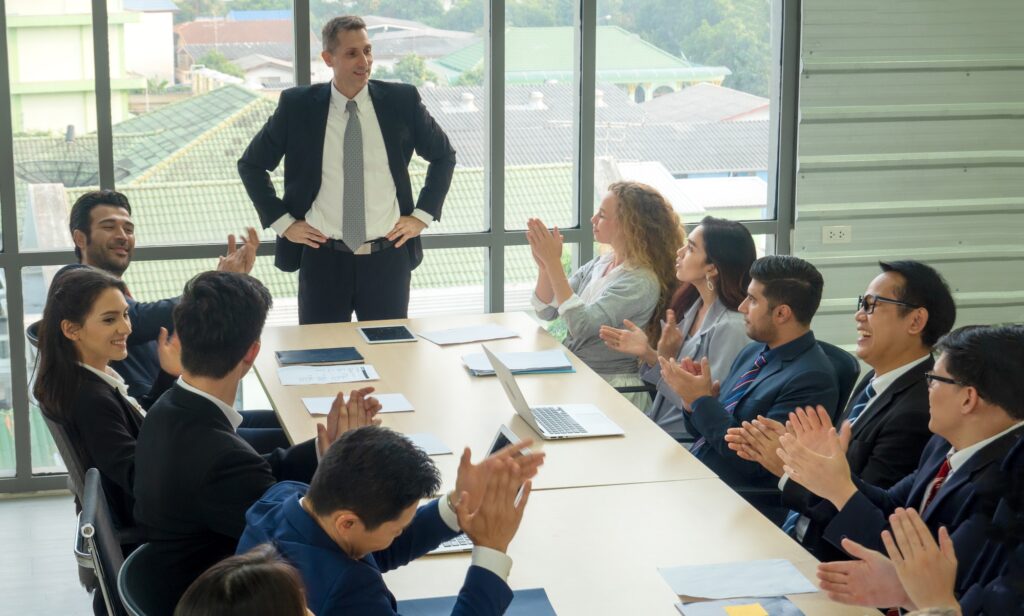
(80,218)
(923,286)
(729,247)
(375,473)
(989,358)
(791,281)
(219,317)
(71,297)
(257,583)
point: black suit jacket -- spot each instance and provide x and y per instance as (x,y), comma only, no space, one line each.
(885,446)
(194,480)
(296,133)
(866,514)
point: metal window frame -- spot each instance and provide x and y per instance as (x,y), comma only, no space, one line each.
(784,108)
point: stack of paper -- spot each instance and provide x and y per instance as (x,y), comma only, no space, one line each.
(476,333)
(751,588)
(534,362)
(318,375)
(390,403)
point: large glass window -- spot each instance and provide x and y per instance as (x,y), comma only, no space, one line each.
(7,460)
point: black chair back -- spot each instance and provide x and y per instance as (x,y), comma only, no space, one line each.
(73,461)
(133,587)
(102,541)
(32,333)
(847,370)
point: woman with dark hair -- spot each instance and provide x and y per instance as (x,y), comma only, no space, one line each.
(85,326)
(714,269)
(257,583)
(630,283)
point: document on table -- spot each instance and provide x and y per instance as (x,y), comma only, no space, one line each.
(530,362)
(429,443)
(318,375)
(527,602)
(754,578)
(390,403)
(745,606)
(475,333)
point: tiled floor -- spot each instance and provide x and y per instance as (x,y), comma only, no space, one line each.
(38,574)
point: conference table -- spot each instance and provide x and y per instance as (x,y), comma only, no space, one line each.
(605,513)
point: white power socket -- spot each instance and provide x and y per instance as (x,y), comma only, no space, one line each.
(836,234)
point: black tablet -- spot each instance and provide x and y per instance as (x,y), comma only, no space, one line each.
(384,335)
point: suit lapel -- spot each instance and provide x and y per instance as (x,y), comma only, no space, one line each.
(991,454)
(854,396)
(385,115)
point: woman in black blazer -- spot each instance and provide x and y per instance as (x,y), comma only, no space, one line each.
(85,326)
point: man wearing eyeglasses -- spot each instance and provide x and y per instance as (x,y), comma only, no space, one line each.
(901,315)
(976,411)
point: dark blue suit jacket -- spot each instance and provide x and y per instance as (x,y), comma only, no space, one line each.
(337,584)
(867,513)
(797,374)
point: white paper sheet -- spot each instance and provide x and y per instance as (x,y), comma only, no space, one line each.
(475,333)
(429,443)
(519,361)
(318,375)
(390,403)
(755,578)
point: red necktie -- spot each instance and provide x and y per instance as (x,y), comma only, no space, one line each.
(940,478)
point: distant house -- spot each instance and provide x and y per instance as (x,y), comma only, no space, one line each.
(394,39)
(544,55)
(705,102)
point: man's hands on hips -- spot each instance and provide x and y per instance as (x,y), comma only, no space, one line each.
(405,229)
(301,232)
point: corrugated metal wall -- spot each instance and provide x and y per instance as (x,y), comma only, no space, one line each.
(912,133)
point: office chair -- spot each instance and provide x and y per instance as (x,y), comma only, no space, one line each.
(101,541)
(132,586)
(847,370)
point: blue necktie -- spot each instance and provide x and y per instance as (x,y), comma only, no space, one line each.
(862,403)
(736,394)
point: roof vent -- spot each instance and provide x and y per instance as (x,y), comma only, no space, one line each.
(599,99)
(536,101)
(467,103)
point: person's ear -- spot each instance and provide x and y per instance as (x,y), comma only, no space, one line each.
(970,400)
(344,522)
(918,321)
(71,330)
(782,314)
(250,355)
(327,58)
(80,239)
(711,271)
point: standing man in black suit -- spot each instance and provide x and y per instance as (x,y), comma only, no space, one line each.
(347,207)
(195,477)
(900,317)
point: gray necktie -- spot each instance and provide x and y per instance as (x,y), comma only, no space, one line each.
(353,211)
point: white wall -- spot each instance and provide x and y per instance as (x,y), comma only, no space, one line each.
(149,46)
(912,133)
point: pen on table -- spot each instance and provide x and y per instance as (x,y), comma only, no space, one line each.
(364,373)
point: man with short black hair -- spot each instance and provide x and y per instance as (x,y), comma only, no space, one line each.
(347,220)
(194,476)
(783,369)
(976,412)
(360,518)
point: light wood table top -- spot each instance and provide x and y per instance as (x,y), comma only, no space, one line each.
(464,410)
(597,550)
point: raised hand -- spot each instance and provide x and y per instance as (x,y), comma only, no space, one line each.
(168,350)
(472,479)
(870,580)
(240,259)
(687,385)
(810,426)
(926,569)
(630,340)
(360,410)
(671,339)
(495,522)
(545,244)
(826,474)
(758,441)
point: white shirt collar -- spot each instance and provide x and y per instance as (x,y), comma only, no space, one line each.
(113,379)
(882,382)
(959,458)
(233,417)
(362,98)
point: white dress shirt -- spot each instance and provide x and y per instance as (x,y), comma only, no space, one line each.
(380,195)
(494,561)
(958,458)
(112,378)
(233,416)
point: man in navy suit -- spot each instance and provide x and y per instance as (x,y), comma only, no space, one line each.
(784,369)
(976,409)
(347,220)
(360,517)
(900,317)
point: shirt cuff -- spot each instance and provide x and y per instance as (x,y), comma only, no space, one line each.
(539,305)
(494,561)
(281,224)
(448,515)
(423,216)
(572,303)
(782,481)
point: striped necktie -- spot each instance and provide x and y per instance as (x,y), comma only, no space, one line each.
(936,484)
(862,403)
(736,394)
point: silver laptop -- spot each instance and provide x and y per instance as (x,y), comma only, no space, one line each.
(462,543)
(553,421)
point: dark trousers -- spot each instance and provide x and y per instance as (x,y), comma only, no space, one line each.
(334,284)
(263,431)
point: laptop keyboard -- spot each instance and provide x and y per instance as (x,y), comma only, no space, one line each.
(461,543)
(556,421)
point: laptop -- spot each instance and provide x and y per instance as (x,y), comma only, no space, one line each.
(462,543)
(553,421)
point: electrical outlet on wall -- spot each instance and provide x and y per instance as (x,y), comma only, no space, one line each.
(836,234)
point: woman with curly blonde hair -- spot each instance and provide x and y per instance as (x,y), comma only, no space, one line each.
(632,282)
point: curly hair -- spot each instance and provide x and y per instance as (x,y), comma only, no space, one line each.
(652,233)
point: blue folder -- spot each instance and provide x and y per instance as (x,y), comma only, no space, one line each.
(529,602)
(333,355)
